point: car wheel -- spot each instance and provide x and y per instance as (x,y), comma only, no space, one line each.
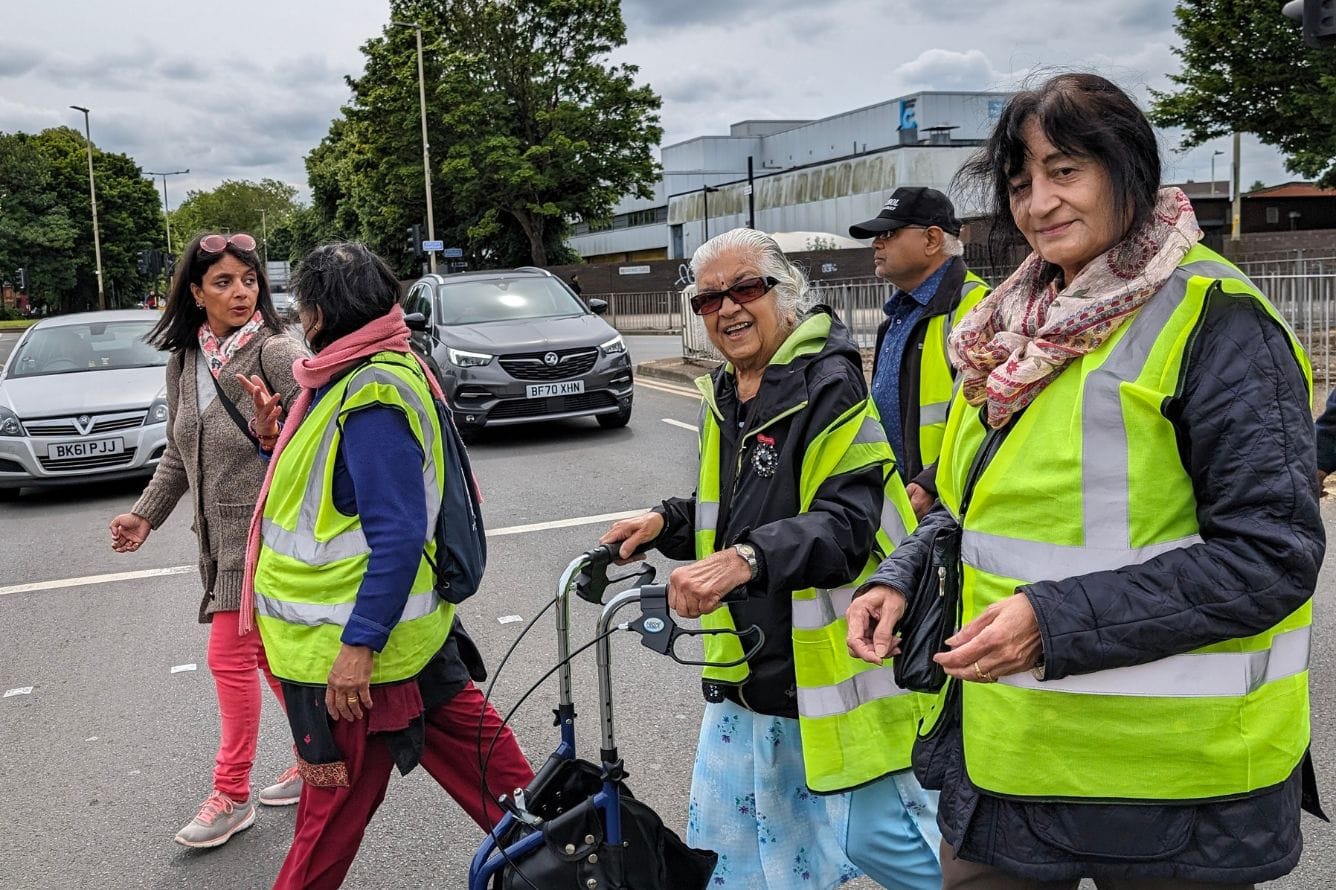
(615,421)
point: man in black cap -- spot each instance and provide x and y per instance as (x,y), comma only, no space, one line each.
(915,246)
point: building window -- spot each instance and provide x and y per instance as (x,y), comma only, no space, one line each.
(1272,216)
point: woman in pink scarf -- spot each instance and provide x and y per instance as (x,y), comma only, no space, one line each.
(375,670)
(219,322)
(1127,480)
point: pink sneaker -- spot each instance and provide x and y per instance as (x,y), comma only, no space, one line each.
(219,818)
(286,791)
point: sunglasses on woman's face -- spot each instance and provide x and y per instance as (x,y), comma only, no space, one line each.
(743,292)
(218,243)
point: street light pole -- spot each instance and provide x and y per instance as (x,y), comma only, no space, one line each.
(426,153)
(92,194)
(705,194)
(166,219)
(264,239)
(1213,157)
(1236,227)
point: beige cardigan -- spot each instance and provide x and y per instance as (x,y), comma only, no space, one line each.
(211,457)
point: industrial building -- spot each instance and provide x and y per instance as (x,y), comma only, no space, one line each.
(794,175)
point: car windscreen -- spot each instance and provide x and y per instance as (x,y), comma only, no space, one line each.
(92,346)
(505,299)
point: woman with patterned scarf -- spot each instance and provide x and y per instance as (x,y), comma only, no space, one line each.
(220,324)
(1128,469)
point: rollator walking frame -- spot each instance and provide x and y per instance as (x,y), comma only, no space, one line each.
(577,825)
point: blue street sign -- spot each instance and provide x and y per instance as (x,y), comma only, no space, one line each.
(453,253)
(432,245)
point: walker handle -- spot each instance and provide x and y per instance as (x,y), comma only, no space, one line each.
(593,580)
(660,633)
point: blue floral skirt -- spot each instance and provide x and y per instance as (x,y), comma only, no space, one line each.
(750,803)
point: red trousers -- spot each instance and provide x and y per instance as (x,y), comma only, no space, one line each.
(331,821)
(234,661)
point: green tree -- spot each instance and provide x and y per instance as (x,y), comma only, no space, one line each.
(46,221)
(529,124)
(1246,69)
(235,206)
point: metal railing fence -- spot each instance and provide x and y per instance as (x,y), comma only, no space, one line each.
(1307,302)
(651,312)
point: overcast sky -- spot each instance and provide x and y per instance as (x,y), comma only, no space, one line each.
(245,89)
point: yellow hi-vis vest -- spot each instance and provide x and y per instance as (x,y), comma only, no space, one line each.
(856,724)
(935,372)
(313,558)
(1089,480)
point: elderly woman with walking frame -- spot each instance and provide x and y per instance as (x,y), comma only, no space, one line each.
(801,774)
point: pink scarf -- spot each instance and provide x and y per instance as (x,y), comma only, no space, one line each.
(217,351)
(1022,335)
(386,334)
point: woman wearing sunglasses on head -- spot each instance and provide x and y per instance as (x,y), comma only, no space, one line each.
(220,324)
(796,498)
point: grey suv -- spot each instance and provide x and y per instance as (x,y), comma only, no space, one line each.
(519,346)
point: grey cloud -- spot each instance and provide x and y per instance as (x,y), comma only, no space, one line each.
(18,61)
(695,13)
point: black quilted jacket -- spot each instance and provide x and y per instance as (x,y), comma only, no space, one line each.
(1245,437)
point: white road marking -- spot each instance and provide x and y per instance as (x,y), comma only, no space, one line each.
(509,619)
(563,523)
(96,579)
(668,387)
(22,690)
(685,426)
(181,570)
(176,669)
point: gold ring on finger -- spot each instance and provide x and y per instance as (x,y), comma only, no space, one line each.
(352,699)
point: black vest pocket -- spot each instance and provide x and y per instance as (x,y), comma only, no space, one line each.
(1121,832)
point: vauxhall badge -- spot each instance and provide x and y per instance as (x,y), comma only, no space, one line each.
(765,459)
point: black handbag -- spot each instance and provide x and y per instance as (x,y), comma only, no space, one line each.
(931,616)
(933,611)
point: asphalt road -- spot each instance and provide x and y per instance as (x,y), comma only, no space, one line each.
(111,751)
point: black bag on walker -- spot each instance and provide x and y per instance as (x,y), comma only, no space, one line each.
(574,851)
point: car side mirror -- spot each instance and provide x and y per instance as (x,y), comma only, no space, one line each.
(600,307)
(416,321)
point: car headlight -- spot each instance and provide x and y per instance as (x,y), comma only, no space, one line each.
(462,359)
(615,346)
(9,423)
(157,412)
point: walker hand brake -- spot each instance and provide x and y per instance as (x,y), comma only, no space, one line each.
(660,633)
(593,580)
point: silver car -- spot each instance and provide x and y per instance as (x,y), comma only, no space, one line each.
(519,346)
(82,398)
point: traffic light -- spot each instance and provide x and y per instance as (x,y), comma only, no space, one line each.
(1319,18)
(415,240)
(142,261)
(23,279)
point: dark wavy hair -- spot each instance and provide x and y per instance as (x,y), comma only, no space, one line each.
(178,329)
(1085,116)
(350,285)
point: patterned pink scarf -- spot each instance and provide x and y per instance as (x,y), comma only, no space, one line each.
(217,351)
(386,334)
(1019,337)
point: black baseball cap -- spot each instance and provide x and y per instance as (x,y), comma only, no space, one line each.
(911,206)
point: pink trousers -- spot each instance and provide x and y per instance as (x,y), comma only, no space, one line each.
(234,661)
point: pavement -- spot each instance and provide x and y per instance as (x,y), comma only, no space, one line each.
(680,371)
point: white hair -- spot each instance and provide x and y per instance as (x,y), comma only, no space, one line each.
(951,245)
(792,294)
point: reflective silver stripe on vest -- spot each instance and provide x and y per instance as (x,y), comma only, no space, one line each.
(871,432)
(707,515)
(827,701)
(1199,675)
(933,412)
(1106,489)
(823,611)
(1040,561)
(891,523)
(301,543)
(419,605)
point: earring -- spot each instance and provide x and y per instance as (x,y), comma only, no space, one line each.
(199,305)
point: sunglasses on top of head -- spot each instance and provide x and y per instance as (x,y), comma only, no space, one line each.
(745,291)
(218,243)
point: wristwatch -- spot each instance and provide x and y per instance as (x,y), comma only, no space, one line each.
(748,553)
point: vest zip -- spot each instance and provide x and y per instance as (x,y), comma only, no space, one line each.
(991,443)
